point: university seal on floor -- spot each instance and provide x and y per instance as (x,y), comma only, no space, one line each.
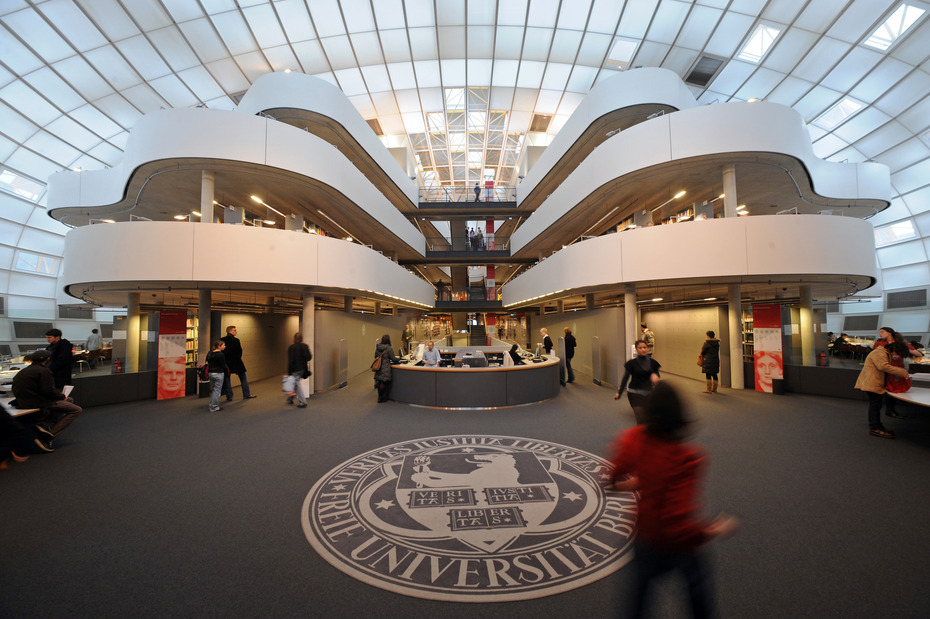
(471,518)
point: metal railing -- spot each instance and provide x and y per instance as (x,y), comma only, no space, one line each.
(490,242)
(465,193)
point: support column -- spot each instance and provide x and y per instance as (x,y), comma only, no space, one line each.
(204,303)
(589,301)
(133,332)
(206,196)
(307,324)
(560,306)
(629,322)
(808,356)
(735,326)
(347,306)
(729,191)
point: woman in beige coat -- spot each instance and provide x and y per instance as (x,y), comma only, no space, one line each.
(872,381)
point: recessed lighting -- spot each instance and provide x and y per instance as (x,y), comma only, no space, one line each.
(181,217)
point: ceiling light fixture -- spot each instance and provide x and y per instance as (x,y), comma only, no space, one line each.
(675,197)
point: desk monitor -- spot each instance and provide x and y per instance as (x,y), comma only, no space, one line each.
(418,355)
(475,362)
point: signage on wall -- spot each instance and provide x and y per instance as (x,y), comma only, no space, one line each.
(767,351)
(172,354)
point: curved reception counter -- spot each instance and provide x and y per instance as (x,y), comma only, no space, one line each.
(476,387)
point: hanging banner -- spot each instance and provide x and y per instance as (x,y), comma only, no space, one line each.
(172,354)
(767,352)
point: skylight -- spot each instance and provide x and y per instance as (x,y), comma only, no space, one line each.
(900,231)
(759,43)
(621,53)
(20,185)
(838,113)
(894,27)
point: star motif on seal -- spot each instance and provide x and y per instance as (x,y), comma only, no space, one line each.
(467,450)
(340,487)
(384,504)
(571,496)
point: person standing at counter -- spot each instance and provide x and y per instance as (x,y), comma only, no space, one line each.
(570,344)
(383,376)
(710,361)
(406,338)
(298,359)
(93,345)
(431,356)
(547,341)
(641,372)
(872,381)
(60,363)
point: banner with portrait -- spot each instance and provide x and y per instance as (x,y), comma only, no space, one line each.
(172,354)
(767,351)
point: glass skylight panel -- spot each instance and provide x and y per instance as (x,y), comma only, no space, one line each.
(457,141)
(838,113)
(34,263)
(477,121)
(894,27)
(759,43)
(900,231)
(436,122)
(925,136)
(621,53)
(20,185)
(474,158)
(455,98)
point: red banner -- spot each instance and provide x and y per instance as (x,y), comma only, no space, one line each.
(767,352)
(172,354)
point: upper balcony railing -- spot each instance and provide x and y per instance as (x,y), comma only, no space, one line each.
(466,193)
(470,244)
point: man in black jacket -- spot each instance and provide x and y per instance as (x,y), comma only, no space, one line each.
(34,387)
(233,354)
(60,363)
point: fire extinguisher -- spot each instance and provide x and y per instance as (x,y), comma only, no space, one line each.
(118,366)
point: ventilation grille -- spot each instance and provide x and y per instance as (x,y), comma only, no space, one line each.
(831,307)
(69,311)
(5,350)
(906,299)
(375,126)
(704,70)
(867,322)
(30,330)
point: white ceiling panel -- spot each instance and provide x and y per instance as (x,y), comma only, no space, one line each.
(911,178)
(295,20)
(906,277)
(110,18)
(913,47)
(38,166)
(918,202)
(427,77)
(816,102)
(916,117)
(173,48)
(402,75)
(781,11)
(430,98)
(108,61)
(389,14)
(636,18)
(327,18)
(818,16)
(668,20)
(150,15)
(173,90)
(253,65)
(883,139)
(556,76)
(537,44)
(207,44)
(74,134)
(548,102)
(479,71)
(901,254)
(821,59)
(17,56)
(851,69)
(263,22)
(604,17)
(861,124)
(880,80)
(760,84)
(453,73)
(376,78)
(423,43)
(364,106)
(909,90)
(30,104)
(594,48)
(451,41)
(281,58)
(574,15)
(395,44)
(650,54)
(54,89)
(358,15)
(408,101)
(531,74)
(96,121)
(828,145)
(68,19)
(789,49)
(119,109)
(480,42)
(339,52)
(420,13)
(508,42)
(144,98)
(581,79)
(483,12)
(52,148)
(228,75)
(235,33)
(141,55)
(904,155)
(565,44)
(698,27)
(505,72)
(679,60)
(385,104)
(732,29)
(310,55)
(350,81)
(182,10)
(852,23)
(733,75)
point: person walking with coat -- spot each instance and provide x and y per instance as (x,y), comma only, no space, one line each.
(62,357)
(383,376)
(710,361)
(641,372)
(298,358)
(233,354)
(570,344)
(872,381)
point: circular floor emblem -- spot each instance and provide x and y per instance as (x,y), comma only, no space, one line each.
(471,518)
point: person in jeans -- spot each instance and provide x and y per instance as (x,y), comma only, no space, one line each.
(655,460)
(298,356)
(872,381)
(233,353)
(216,361)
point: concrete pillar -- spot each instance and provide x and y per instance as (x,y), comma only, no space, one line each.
(204,303)
(729,190)
(589,301)
(808,356)
(307,323)
(133,332)
(560,306)
(629,324)
(206,196)
(348,306)
(735,326)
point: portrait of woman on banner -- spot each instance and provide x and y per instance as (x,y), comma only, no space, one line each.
(768,364)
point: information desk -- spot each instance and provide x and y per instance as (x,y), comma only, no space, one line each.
(476,387)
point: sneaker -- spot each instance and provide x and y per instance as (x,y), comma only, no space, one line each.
(249,397)
(290,400)
(301,406)
(881,432)
(42,429)
(43,446)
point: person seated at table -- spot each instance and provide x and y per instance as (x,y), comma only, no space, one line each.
(34,387)
(431,356)
(515,355)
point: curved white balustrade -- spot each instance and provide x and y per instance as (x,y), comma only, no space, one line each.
(158,254)
(185,134)
(774,246)
(730,128)
(305,92)
(627,89)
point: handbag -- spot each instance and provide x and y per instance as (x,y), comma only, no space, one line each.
(700,360)
(289,385)
(897,384)
(376,364)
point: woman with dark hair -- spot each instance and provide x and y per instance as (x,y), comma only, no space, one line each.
(216,361)
(641,372)
(710,361)
(298,358)
(383,376)
(654,460)
(515,356)
(872,381)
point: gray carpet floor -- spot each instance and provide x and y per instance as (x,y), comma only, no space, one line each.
(163,509)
